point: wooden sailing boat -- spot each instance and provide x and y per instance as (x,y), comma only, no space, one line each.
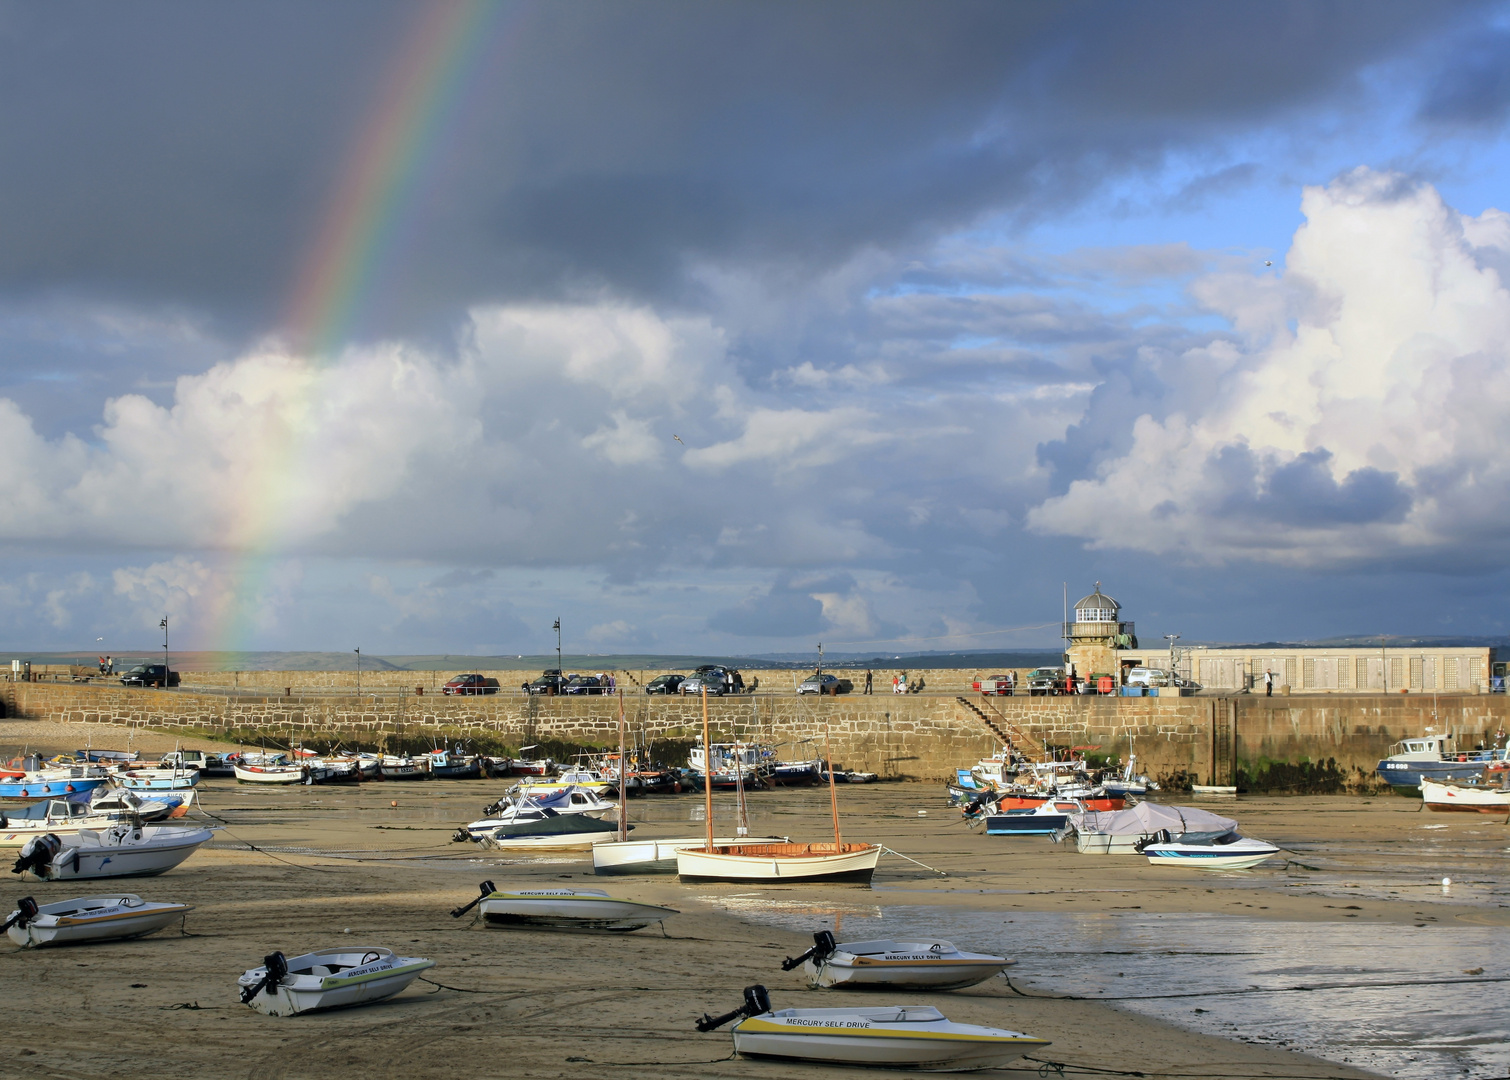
(765,862)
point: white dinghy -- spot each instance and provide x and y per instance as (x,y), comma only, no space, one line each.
(658,856)
(563,909)
(327,980)
(123,850)
(893,965)
(892,1037)
(89,919)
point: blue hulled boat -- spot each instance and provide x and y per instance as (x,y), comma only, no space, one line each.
(1431,757)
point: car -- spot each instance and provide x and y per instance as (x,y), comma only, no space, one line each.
(1147,676)
(664,684)
(585,684)
(824,683)
(1045,681)
(552,682)
(470,684)
(707,676)
(149,675)
(1000,685)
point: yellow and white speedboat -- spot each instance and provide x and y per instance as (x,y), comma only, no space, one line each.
(89,919)
(893,965)
(890,1036)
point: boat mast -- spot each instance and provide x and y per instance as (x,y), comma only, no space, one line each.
(833,792)
(707,773)
(623,803)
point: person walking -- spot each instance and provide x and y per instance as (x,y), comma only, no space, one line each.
(867,680)
(1268,683)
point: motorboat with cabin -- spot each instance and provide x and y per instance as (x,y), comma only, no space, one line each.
(121,850)
(327,980)
(1431,757)
(887,1036)
(1099,832)
(88,919)
(893,965)
(1215,850)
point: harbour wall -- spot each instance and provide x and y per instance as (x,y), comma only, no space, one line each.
(917,737)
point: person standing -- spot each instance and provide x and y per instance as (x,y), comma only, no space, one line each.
(867,680)
(1268,683)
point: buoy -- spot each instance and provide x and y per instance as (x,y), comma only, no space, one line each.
(1446,881)
(393,803)
(922,813)
(346,930)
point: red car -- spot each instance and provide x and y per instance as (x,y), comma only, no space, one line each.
(1000,685)
(470,684)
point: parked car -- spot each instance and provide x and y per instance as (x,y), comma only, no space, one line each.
(1000,685)
(706,676)
(825,684)
(664,684)
(470,684)
(1147,676)
(552,682)
(585,684)
(1045,681)
(149,675)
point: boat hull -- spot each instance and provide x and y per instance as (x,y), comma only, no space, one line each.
(269,774)
(1465,798)
(656,856)
(35,791)
(80,861)
(569,910)
(1410,773)
(778,862)
(1026,823)
(1243,855)
(894,965)
(846,1037)
(96,918)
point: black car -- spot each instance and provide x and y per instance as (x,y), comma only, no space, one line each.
(552,682)
(585,684)
(149,675)
(664,684)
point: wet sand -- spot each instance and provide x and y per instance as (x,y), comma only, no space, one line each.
(536,1003)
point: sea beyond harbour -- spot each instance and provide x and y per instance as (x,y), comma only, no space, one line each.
(1348,956)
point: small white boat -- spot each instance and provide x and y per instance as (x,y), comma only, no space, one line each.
(756,862)
(89,918)
(893,965)
(1207,850)
(1214,791)
(122,850)
(563,909)
(327,980)
(269,769)
(64,817)
(158,779)
(1119,832)
(1472,798)
(892,1036)
(658,856)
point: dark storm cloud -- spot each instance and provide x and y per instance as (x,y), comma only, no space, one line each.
(1303,492)
(183,153)
(1473,85)
(784,610)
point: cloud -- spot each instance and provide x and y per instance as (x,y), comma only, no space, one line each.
(1353,419)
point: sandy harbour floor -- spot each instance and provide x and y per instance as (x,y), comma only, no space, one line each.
(542,1004)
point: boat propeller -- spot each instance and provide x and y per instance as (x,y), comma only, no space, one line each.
(757,1001)
(276,965)
(822,949)
(488,889)
(25,913)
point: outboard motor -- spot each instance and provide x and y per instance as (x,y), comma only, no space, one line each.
(37,855)
(975,805)
(488,889)
(823,947)
(757,1001)
(1160,837)
(25,913)
(277,967)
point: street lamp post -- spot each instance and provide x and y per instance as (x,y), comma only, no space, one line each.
(358,651)
(820,658)
(1172,638)
(557,628)
(164,625)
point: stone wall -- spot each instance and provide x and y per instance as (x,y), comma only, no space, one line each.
(913,737)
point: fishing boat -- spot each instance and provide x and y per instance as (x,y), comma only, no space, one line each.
(403,767)
(582,779)
(271,768)
(65,817)
(453,765)
(893,965)
(158,779)
(1216,850)
(563,909)
(1470,798)
(520,806)
(146,807)
(122,850)
(48,783)
(756,861)
(533,766)
(891,1036)
(327,980)
(1430,757)
(1129,781)
(796,773)
(89,919)
(734,765)
(659,856)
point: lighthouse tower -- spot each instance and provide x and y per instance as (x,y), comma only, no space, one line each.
(1098,636)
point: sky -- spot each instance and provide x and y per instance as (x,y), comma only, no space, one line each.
(733,328)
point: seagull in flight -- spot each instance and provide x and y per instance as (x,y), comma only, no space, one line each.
(678,438)
(1268,262)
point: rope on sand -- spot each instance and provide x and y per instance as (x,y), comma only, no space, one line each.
(909,858)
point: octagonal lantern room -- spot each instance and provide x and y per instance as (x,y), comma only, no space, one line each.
(1097,608)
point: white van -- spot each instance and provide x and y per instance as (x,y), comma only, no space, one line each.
(1147,676)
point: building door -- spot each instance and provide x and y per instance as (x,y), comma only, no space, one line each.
(1370,673)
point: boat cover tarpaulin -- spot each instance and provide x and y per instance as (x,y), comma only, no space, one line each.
(1146,818)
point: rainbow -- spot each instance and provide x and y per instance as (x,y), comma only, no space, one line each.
(380,191)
